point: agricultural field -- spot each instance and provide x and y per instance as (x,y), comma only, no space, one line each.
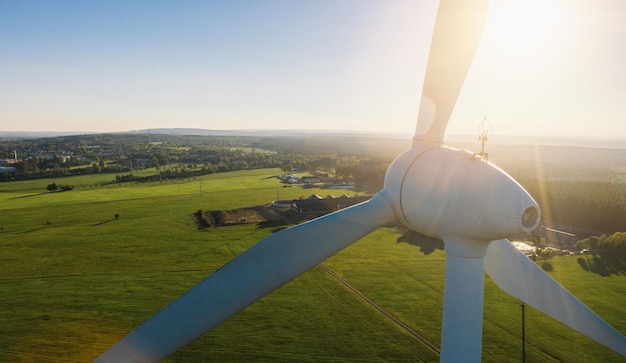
(74,279)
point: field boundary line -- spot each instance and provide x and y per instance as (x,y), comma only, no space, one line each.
(417,336)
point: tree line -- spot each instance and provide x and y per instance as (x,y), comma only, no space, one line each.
(595,205)
(614,244)
(604,255)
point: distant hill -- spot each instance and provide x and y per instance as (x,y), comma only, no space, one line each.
(462,141)
(200,132)
(263,132)
(530,140)
(39,134)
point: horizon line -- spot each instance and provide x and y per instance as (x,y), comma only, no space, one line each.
(195,131)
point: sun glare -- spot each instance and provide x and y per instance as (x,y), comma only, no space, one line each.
(524,23)
(522,27)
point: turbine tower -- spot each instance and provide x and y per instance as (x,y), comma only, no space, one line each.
(442,192)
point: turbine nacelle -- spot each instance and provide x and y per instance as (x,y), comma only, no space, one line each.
(441,191)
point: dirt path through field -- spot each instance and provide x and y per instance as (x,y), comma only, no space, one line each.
(382,311)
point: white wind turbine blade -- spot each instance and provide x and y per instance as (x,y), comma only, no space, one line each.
(519,276)
(458,30)
(272,262)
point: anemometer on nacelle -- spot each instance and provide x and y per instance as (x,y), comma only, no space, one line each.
(484,131)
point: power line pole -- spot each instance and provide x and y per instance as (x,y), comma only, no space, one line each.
(523,334)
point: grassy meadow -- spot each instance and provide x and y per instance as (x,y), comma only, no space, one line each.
(74,280)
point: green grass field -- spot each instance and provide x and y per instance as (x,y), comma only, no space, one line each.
(73,281)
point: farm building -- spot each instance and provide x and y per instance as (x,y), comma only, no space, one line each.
(317,204)
(282,203)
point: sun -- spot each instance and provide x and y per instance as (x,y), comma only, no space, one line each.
(519,27)
(525,23)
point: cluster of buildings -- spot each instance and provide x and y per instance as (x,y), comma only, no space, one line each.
(315,204)
(64,158)
(318,179)
(6,164)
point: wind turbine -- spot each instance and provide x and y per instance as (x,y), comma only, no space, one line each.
(438,191)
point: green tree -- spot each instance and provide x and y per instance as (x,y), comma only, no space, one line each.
(287,168)
(52,187)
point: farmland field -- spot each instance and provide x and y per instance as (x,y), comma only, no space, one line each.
(74,280)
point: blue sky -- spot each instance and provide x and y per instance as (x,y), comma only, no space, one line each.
(552,67)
